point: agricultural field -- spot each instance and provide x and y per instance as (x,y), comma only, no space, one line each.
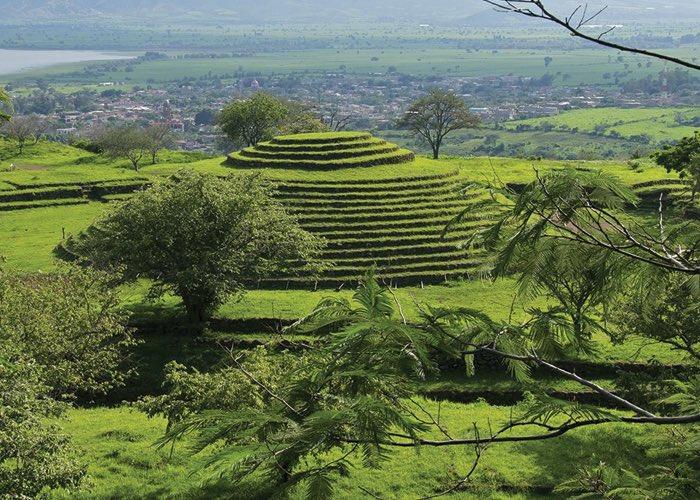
(374,203)
(582,66)
(659,124)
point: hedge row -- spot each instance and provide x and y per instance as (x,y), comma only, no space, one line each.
(660,182)
(299,204)
(24,205)
(334,146)
(41,194)
(397,157)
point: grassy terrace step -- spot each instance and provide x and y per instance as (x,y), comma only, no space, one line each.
(395,157)
(324,205)
(412,248)
(366,228)
(372,181)
(401,241)
(394,233)
(332,146)
(457,266)
(24,205)
(362,195)
(374,209)
(400,261)
(418,185)
(321,155)
(86,184)
(47,193)
(322,138)
(413,215)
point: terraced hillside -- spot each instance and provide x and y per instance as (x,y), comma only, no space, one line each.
(394,223)
(322,151)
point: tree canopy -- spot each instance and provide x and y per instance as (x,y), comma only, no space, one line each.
(435,116)
(683,158)
(200,237)
(250,121)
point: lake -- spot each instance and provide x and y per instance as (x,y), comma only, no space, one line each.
(14,61)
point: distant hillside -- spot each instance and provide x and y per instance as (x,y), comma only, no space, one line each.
(333,11)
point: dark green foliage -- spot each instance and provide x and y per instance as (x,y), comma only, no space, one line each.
(5,105)
(34,455)
(200,237)
(61,334)
(253,120)
(69,325)
(683,158)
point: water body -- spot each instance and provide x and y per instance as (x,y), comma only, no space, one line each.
(14,61)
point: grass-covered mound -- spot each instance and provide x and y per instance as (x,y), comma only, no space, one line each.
(322,151)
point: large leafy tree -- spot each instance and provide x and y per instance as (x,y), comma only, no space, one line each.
(252,120)
(126,141)
(683,158)
(435,116)
(200,237)
(70,325)
(61,335)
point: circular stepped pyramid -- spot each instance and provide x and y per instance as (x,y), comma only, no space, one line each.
(392,218)
(322,151)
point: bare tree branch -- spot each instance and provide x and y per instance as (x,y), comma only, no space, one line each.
(537,9)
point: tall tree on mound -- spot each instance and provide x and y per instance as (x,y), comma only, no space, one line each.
(253,120)
(435,116)
(200,237)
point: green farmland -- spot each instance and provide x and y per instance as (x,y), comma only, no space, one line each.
(582,66)
(661,124)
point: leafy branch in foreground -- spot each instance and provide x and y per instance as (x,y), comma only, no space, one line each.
(590,208)
(352,399)
(575,23)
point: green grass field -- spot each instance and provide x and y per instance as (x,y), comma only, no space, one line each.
(119,445)
(661,124)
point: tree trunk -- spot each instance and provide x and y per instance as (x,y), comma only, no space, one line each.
(436,153)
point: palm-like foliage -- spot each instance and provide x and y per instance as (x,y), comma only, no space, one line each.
(589,208)
(348,395)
